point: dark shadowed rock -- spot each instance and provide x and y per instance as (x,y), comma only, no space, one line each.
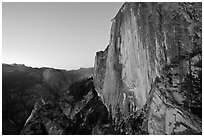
(23,86)
(147,81)
(78,115)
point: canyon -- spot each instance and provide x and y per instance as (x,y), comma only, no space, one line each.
(147,81)
(23,87)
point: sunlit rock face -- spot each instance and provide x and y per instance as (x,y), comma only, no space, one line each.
(145,40)
(58,80)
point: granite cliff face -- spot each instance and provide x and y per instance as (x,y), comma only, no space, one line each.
(147,81)
(153,48)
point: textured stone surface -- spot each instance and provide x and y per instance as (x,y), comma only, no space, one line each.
(145,40)
(76,116)
(23,86)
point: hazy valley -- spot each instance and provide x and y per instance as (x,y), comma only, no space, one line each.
(148,81)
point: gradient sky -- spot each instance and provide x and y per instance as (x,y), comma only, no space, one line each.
(59,35)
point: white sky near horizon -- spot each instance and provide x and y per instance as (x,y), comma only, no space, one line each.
(59,35)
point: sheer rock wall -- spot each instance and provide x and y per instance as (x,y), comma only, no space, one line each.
(145,38)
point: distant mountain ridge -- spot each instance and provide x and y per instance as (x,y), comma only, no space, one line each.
(147,81)
(22,86)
